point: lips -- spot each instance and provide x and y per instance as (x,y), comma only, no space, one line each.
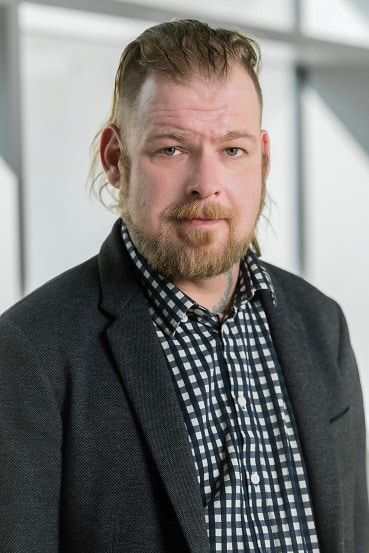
(199,221)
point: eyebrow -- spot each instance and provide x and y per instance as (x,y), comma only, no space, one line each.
(168,134)
(180,137)
(233,135)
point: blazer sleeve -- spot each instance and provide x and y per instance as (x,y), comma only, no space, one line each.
(30,448)
(348,365)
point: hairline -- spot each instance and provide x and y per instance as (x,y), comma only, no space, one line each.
(128,108)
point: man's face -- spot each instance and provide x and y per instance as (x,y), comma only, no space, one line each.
(195,187)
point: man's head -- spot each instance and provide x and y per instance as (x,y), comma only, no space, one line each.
(191,93)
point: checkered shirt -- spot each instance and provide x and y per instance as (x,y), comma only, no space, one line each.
(240,423)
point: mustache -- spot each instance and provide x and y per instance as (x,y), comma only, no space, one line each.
(197,210)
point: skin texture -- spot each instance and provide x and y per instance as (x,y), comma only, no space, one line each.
(195,189)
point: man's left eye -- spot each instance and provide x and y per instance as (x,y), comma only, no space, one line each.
(170,151)
(234,152)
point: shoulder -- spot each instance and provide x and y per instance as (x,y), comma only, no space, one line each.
(80,299)
(296,289)
(42,333)
(58,305)
(322,316)
(324,325)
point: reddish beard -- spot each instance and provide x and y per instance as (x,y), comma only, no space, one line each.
(200,256)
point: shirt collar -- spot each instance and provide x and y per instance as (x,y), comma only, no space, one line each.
(169,305)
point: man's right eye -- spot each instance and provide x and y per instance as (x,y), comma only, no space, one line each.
(170,151)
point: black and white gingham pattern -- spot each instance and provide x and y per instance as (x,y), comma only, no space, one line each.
(241,427)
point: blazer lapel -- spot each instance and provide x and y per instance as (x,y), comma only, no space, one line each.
(304,383)
(147,380)
(145,376)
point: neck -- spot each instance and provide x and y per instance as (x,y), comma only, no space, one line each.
(216,293)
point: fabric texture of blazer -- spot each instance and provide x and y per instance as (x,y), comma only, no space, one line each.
(94,454)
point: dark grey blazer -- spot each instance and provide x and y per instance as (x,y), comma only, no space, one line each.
(94,455)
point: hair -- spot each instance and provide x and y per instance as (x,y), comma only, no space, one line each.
(177,50)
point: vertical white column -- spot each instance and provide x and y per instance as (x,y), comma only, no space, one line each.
(10,158)
(9,238)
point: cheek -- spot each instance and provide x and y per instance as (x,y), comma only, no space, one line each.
(247,206)
(140,208)
(247,201)
(146,201)
(137,200)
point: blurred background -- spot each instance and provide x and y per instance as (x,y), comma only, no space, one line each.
(57,65)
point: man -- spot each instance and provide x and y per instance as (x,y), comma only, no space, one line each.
(175,393)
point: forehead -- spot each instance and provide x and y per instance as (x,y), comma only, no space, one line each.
(162,99)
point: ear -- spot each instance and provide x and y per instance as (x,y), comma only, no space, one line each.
(110,151)
(265,148)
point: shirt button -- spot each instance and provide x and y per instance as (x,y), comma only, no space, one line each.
(242,402)
(255,478)
(184,319)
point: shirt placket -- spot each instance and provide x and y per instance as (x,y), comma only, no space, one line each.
(252,478)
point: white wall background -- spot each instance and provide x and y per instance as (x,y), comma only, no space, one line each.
(277,233)
(340,20)
(267,13)
(9,238)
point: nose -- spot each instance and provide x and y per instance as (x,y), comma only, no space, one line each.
(205,178)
